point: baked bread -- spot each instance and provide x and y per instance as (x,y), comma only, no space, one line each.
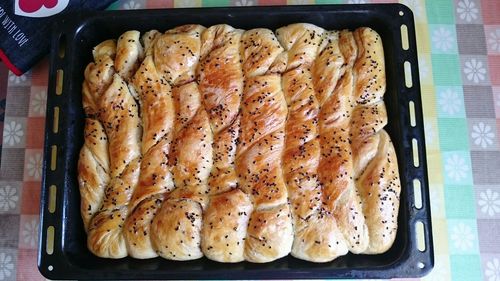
(238,145)
(93,169)
(316,232)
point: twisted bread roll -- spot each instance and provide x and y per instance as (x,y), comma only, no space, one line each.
(157,112)
(149,40)
(177,53)
(177,225)
(258,163)
(369,67)
(93,169)
(328,67)
(317,237)
(129,54)
(93,162)
(366,121)
(380,187)
(336,168)
(377,176)
(248,146)
(221,83)
(118,113)
(301,42)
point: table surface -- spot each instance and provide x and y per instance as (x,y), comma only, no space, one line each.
(459,59)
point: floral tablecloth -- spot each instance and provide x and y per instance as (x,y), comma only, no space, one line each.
(459,59)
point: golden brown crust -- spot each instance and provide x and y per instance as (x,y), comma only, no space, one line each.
(279,65)
(223,176)
(263,180)
(94,162)
(260,173)
(263,109)
(336,165)
(220,76)
(337,106)
(105,238)
(105,234)
(129,53)
(328,67)
(155,175)
(225,225)
(379,187)
(363,151)
(194,167)
(97,141)
(217,36)
(149,39)
(187,101)
(157,112)
(301,41)
(177,52)
(98,77)
(301,157)
(335,168)
(93,169)
(157,107)
(320,240)
(197,193)
(336,177)
(258,162)
(176,227)
(269,235)
(120,117)
(366,121)
(369,67)
(258,50)
(248,145)
(263,116)
(104,49)
(120,189)
(118,113)
(137,228)
(221,85)
(175,230)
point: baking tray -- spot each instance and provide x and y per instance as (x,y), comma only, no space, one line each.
(62,247)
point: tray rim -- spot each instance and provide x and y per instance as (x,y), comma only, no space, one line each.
(414,94)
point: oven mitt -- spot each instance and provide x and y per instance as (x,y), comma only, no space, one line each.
(25,28)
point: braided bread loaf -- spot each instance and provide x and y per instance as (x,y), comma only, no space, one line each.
(238,145)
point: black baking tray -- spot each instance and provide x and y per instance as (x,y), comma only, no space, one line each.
(72,41)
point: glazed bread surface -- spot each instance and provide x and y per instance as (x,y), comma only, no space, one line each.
(238,145)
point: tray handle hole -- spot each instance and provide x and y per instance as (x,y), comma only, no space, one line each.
(55,124)
(59,81)
(53,158)
(50,267)
(419,229)
(404,37)
(408,78)
(52,198)
(421,265)
(414,144)
(401,13)
(411,107)
(62,46)
(50,240)
(417,193)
